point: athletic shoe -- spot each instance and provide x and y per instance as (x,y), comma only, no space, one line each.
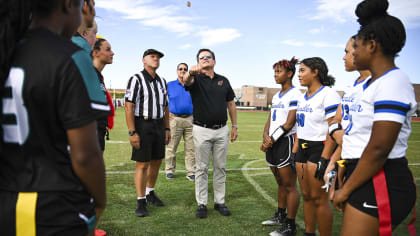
(153,198)
(141,210)
(191,178)
(201,211)
(286,230)
(278,219)
(222,209)
(170,176)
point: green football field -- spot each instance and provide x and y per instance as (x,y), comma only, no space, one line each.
(251,191)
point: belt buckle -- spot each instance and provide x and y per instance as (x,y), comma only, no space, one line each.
(145,117)
(304,145)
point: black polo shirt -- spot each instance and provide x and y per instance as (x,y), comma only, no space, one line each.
(209,98)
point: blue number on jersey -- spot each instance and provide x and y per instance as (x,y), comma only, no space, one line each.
(300,119)
(274,115)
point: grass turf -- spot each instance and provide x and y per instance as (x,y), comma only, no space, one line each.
(250,194)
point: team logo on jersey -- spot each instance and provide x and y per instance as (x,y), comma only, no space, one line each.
(127,93)
(220,82)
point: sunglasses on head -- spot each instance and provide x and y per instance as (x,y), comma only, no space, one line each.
(182,68)
(205,56)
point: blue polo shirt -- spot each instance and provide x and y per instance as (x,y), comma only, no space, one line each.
(179,100)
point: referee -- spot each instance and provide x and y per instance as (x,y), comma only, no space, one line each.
(147,117)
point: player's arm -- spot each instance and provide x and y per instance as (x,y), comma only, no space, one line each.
(129,118)
(231,106)
(382,140)
(88,163)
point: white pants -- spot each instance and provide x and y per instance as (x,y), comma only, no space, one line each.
(206,142)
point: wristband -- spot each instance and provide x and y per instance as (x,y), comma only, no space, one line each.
(168,129)
(334,127)
(278,133)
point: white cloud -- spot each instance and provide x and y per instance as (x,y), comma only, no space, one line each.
(185,46)
(169,18)
(316,30)
(343,11)
(293,43)
(211,37)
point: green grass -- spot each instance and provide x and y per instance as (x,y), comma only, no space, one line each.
(249,207)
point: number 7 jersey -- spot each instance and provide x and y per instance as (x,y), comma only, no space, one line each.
(313,112)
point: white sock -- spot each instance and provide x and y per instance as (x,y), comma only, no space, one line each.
(148,190)
(138,198)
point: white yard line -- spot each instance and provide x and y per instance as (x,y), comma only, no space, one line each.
(262,192)
(259,141)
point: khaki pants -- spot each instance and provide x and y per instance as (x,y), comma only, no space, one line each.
(180,127)
(207,142)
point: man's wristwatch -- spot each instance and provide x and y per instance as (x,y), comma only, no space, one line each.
(236,126)
(131,132)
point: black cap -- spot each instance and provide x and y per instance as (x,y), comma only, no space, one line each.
(152,51)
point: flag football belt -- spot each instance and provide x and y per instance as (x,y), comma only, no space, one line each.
(305,144)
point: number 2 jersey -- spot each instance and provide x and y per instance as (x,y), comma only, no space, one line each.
(52,87)
(280,107)
(313,112)
(388,98)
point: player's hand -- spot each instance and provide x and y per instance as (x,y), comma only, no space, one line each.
(99,211)
(267,139)
(234,134)
(340,198)
(135,141)
(330,167)
(321,167)
(195,70)
(167,137)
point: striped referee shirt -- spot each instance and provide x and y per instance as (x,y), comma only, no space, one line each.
(148,94)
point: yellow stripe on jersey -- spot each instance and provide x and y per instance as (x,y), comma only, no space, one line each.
(25,214)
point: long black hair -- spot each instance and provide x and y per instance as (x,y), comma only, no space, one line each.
(376,24)
(317,63)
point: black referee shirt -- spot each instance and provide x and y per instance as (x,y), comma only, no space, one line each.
(148,94)
(210,97)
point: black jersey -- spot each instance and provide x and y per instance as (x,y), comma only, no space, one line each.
(51,88)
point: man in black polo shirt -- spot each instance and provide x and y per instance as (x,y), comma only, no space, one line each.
(147,117)
(211,95)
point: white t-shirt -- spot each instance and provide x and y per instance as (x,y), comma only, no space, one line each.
(349,102)
(313,112)
(280,107)
(388,98)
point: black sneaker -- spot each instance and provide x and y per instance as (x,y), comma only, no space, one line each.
(201,211)
(278,219)
(141,210)
(286,230)
(153,198)
(222,209)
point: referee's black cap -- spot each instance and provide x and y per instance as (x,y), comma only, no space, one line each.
(152,51)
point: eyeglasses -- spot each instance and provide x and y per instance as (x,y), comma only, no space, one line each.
(184,69)
(206,56)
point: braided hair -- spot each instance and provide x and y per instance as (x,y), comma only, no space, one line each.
(376,24)
(317,63)
(288,65)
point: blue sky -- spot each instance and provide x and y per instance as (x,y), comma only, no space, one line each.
(248,37)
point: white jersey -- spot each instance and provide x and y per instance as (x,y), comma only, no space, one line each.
(280,107)
(388,98)
(349,100)
(313,112)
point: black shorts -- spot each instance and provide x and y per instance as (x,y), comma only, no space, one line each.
(279,154)
(152,140)
(401,191)
(53,213)
(101,131)
(309,151)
